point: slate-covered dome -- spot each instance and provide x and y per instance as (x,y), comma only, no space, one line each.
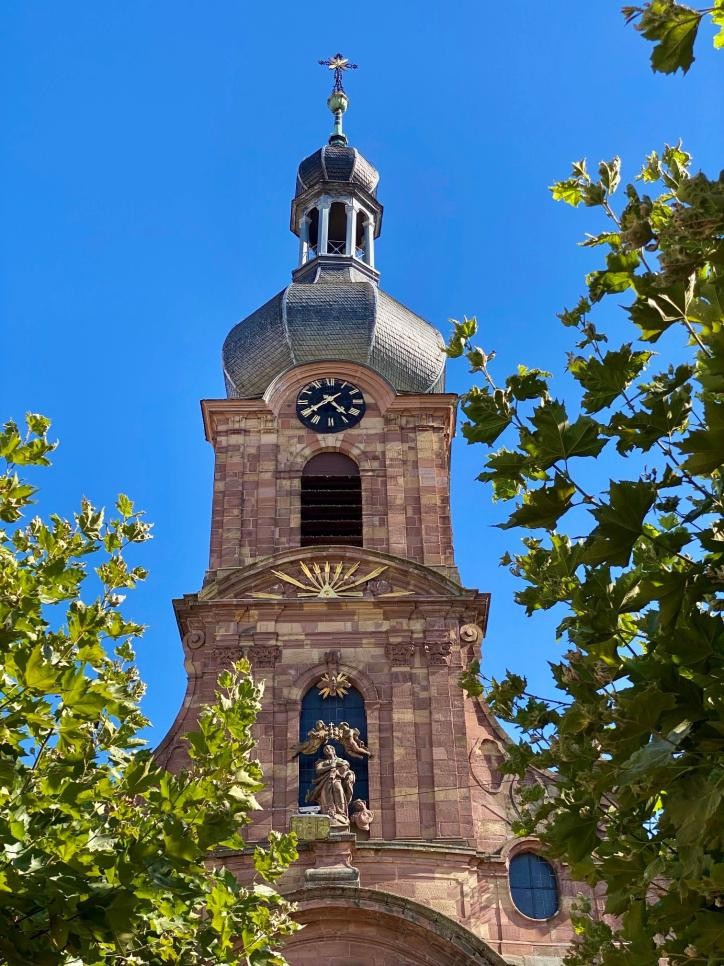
(337,315)
(337,163)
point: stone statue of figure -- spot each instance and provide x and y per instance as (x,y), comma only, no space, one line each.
(333,787)
(360,815)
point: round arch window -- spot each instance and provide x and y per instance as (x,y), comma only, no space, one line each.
(533,885)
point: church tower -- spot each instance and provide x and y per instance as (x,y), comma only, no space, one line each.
(331,568)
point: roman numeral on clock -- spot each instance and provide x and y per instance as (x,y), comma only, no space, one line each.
(330,405)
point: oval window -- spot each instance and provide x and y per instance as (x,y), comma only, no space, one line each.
(533,885)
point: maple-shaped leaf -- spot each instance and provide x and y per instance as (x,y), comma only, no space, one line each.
(555,438)
(620,522)
(542,508)
(605,379)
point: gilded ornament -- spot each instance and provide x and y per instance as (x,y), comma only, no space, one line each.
(343,732)
(332,685)
(326,581)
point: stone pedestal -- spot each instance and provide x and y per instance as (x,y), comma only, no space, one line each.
(333,862)
(310,828)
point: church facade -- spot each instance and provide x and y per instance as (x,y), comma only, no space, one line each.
(332,570)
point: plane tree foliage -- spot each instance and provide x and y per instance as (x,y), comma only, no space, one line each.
(616,492)
(673,28)
(104,856)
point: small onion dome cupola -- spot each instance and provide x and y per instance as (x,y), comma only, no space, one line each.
(335,212)
(334,308)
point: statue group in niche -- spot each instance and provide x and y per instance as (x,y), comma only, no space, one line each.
(333,786)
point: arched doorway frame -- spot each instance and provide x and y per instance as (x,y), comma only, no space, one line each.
(428,937)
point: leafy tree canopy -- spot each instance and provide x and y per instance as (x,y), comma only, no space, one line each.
(105,857)
(672,28)
(633,565)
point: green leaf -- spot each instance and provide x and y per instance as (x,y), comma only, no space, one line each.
(40,674)
(617,277)
(717,16)
(672,27)
(542,508)
(604,380)
(124,505)
(569,191)
(528,383)
(706,446)
(179,845)
(574,317)
(610,174)
(489,415)
(555,438)
(507,471)
(620,522)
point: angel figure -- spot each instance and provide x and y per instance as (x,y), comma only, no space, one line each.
(360,815)
(350,739)
(316,737)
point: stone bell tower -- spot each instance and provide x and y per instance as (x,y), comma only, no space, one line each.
(331,568)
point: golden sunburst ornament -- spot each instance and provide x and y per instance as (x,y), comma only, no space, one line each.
(326,581)
(332,685)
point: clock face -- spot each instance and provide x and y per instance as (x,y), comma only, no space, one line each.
(329,405)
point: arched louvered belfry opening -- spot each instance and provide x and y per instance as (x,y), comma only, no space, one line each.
(331,502)
(333,710)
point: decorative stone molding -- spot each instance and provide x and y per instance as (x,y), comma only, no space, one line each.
(471,634)
(218,657)
(379,588)
(194,638)
(264,655)
(401,655)
(438,653)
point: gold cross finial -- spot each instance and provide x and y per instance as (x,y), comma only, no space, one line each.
(338,64)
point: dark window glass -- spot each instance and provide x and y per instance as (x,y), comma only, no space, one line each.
(331,502)
(333,710)
(533,885)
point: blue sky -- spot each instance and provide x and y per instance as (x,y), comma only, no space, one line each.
(147,158)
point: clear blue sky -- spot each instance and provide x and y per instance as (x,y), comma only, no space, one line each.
(148,153)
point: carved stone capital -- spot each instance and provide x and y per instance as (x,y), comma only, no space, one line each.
(264,655)
(400,655)
(438,653)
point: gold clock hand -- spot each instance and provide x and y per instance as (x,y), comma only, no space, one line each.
(325,400)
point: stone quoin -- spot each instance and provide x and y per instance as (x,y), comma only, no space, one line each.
(332,570)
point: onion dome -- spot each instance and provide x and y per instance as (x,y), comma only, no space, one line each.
(339,164)
(338,315)
(334,309)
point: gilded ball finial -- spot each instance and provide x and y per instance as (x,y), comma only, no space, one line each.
(338,102)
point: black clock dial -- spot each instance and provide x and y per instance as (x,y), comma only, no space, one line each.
(329,405)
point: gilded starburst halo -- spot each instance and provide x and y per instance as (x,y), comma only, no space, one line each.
(332,685)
